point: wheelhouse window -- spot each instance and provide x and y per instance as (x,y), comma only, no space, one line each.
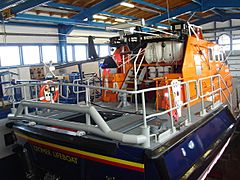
(210,54)
(224,40)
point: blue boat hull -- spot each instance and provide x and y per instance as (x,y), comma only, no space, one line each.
(189,155)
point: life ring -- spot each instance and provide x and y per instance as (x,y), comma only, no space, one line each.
(48,93)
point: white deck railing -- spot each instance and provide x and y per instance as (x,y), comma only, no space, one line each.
(200,95)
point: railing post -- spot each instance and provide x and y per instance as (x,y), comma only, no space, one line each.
(25,98)
(145,127)
(88,119)
(220,87)
(188,104)
(13,97)
(170,107)
(77,93)
(212,94)
(123,58)
(135,79)
(203,111)
(36,95)
(144,110)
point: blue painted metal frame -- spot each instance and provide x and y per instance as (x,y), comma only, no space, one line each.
(77,8)
(145,3)
(88,13)
(194,7)
(218,12)
(27,5)
(217,18)
(118,15)
(62,38)
(65,6)
(58,20)
(8,3)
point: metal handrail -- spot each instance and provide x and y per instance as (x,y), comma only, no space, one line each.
(198,95)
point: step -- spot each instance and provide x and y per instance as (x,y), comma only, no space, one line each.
(129,89)
(132,76)
(129,82)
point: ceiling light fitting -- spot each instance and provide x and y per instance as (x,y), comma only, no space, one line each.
(127,4)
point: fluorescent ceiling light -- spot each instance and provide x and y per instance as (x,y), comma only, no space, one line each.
(120,20)
(127,4)
(99,17)
(162,27)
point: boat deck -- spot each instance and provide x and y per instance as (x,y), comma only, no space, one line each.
(130,122)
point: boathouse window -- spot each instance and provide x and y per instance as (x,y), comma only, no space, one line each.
(49,53)
(9,55)
(224,40)
(70,53)
(31,54)
(80,52)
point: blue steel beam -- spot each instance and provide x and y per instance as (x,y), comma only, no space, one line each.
(65,6)
(77,8)
(193,7)
(217,18)
(150,5)
(198,2)
(8,3)
(117,15)
(88,13)
(218,12)
(57,20)
(62,39)
(173,13)
(30,4)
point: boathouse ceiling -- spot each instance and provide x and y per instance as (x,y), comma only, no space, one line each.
(99,14)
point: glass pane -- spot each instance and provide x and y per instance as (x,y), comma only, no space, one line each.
(49,53)
(104,50)
(96,47)
(9,55)
(210,53)
(80,52)
(224,39)
(69,53)
(226,47)
(31,54)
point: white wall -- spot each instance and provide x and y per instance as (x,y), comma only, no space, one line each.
(54,31)
(28,39)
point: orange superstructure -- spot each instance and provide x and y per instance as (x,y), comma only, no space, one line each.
(161,60)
